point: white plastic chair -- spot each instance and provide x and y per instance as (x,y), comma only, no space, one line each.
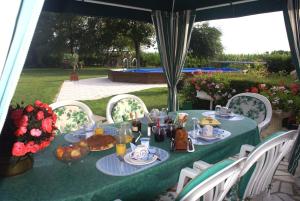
(116,99)
(214,183)
(263,122)
(267,155)
(76,104)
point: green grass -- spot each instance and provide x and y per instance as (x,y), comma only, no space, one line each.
(153,98)
(44,83)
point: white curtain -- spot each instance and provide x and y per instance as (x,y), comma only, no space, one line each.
(18,19)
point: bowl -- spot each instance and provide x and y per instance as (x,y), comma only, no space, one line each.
(72,152)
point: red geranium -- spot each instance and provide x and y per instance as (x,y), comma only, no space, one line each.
(33,126)
(29,108)
(19,149)
(40,115)
(254,90)
(47,125)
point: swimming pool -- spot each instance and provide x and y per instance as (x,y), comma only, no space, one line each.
(155,75)
(185,70)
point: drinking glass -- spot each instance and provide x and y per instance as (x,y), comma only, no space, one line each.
(218,109)
(120,145)
(195,131)
(99,129)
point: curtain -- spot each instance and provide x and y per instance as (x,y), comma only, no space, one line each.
(292,23)
(173,33)
(21,17)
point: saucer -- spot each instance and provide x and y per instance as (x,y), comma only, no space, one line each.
(129,160)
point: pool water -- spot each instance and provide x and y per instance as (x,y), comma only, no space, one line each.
(185,70)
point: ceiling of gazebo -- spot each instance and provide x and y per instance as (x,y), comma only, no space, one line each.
(141,9)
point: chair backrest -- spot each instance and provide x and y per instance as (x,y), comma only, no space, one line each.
(252,105)
(264,159)
(213,183)
(119,108)
(72,115)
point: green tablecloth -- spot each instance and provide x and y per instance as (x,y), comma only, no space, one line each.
(51,179)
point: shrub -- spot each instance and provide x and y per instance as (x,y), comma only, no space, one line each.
(150,59)
(279,62)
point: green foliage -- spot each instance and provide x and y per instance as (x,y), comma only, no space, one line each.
(276,61)
(206,41)
(150,59)
(233,83)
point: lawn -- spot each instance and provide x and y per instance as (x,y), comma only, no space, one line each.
(153,98)
(44,83)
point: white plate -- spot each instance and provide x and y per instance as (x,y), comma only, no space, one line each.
(208,138)
(129,160)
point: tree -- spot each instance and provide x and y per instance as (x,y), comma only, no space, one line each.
(140,34)
(206,41)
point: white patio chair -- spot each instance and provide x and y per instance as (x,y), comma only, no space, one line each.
(72,115)
(254,106)
(266,156)
(213,183)
(119,107)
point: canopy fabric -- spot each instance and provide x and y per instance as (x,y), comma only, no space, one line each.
(292,20)
(24,15)
(141,9)
(292,23)
(173,33)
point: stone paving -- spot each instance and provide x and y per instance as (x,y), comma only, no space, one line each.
(97,88)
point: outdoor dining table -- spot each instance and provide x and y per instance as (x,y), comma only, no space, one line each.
(51,179)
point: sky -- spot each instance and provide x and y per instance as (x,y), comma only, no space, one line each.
(252,34)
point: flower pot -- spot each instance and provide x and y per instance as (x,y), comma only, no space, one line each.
(203,95)
(15,166)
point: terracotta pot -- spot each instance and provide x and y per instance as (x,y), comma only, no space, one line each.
(15,166)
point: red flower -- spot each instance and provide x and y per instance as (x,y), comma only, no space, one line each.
(20,131)
(47,125)
(16,114)
(32,147)
(19,149)
(23,122)
(254,90)
(294,88)
(38,103)
(40,115)
(29,108)
(44,144)
(49,110)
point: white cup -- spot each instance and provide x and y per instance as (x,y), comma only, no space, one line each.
(140,152)
(207,131)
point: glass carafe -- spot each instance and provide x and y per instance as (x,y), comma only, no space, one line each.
(125,132)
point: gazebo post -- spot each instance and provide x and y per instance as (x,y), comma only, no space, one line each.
(173,33)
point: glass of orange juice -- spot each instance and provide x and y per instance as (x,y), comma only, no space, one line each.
(99,129)
(120,145)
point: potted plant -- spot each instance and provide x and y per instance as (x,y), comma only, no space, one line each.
(27,130)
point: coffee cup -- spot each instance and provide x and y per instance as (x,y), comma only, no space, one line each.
(224,111)
(207,131)
(140,152)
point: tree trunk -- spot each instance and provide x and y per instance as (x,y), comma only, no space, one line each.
(137,48)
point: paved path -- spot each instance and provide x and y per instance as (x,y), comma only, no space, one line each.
(96,88)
